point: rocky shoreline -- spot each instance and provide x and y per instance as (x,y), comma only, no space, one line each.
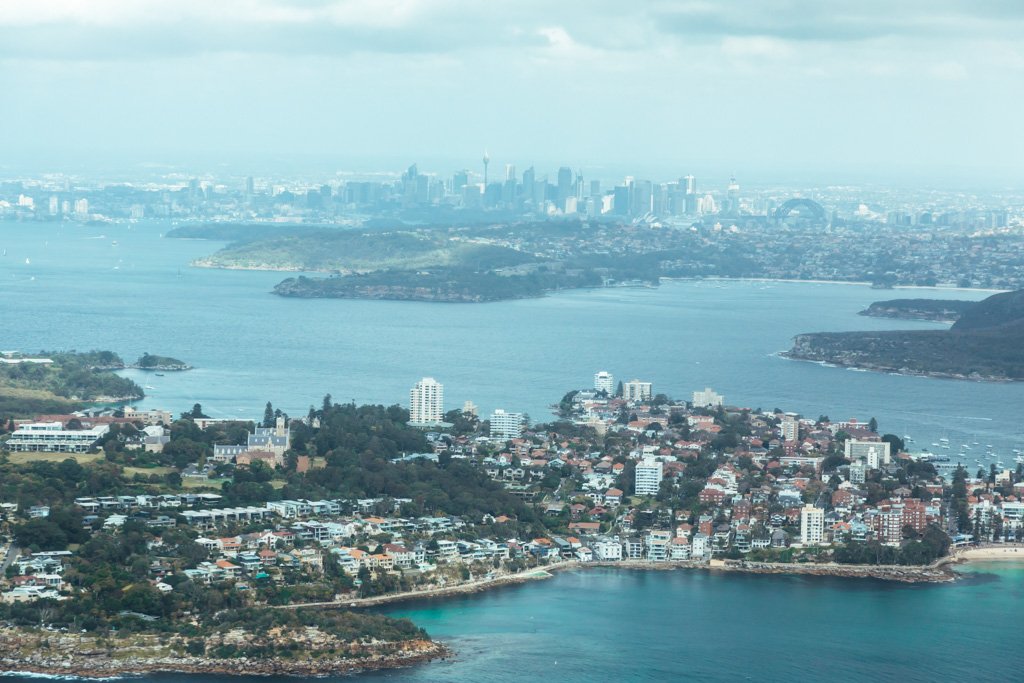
(865,366)
(62,654)
(940,572)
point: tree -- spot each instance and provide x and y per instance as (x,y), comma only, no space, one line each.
(268,415)
(873,424)
(196,412)
(619,389)
(895,443)
(41,533)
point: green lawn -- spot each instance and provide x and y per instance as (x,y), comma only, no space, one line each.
(38,456)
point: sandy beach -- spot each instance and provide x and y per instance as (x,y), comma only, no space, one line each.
(1014,552)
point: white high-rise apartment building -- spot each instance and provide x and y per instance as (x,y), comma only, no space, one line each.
(648,477)
(604,381)
(426,402)
(790,428)
(635,390)
(707,398)
(506,425)
(812,525)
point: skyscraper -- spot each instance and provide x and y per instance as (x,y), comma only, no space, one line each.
(732,198)
(528,185)
(426,402)
(565,187)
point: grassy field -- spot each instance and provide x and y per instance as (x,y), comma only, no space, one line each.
(146,471)
(37,456)
(201,484)
(20,402)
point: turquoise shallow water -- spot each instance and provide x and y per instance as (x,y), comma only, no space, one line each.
(608,624)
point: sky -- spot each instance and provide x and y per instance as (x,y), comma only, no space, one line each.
(874,87)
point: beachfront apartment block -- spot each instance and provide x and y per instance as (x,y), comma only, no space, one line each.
(707,398)
(812,525)
(635,390)
(506,425)
(52,437)
(873,454)
(648,477)
(426,402)
(604,381)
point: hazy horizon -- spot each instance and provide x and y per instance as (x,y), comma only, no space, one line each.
(866,90)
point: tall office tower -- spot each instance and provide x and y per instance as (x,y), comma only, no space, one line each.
(487,160)
(595,188)
(510,172)
(564,186)
(732,198)
(620,200)
(426,402)
(643,198)
(604,381)
(528,180)
(690,183)
(459,181)
(648,477)
(250,186)
(812,525)
(506,425)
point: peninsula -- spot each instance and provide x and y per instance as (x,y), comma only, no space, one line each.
(985,343)
(935,310)
(57,382)
(205,545)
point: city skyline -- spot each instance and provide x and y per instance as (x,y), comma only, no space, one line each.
(864,89)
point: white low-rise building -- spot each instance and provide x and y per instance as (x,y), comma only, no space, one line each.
(52,437)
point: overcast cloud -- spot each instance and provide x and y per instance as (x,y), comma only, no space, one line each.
(924,85)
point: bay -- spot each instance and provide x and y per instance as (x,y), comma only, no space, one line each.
(625,625)
(126,288)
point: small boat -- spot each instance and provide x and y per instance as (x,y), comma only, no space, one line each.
(159,374)
(149,386)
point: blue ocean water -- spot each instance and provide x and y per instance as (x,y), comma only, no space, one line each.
(127,288)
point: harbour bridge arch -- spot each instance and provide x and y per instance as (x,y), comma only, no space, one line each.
(802,205)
